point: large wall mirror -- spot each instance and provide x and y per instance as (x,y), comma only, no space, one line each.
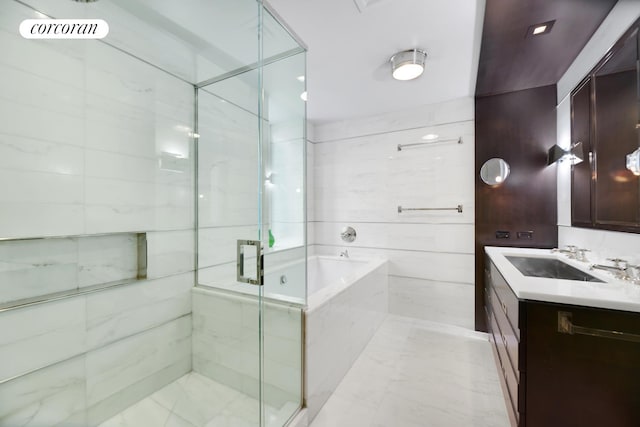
(605,117)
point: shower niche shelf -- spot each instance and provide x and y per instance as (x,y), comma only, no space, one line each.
(40,269)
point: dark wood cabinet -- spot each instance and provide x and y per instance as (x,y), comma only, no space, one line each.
(551,377)
(605,115)
(504,332)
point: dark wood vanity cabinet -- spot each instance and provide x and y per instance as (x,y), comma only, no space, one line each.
(588,378)
(605,118)
(503,320)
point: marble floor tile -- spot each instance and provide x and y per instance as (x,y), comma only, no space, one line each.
(416,373)
(197,401)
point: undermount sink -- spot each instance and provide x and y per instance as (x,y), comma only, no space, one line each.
(550,268)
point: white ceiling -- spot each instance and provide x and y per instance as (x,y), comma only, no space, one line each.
(351,41)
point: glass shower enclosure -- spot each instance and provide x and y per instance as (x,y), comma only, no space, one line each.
(152,216)
(251,238)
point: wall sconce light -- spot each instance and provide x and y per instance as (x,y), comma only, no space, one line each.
(558,154)
(408,64)
(633,162)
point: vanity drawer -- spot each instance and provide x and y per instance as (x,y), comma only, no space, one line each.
(508,302)
(504,367)
(508,337)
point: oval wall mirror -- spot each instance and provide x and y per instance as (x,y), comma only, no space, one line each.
(494,171)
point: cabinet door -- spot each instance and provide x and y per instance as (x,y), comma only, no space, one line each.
(580,379)
(581,177)
(616,195)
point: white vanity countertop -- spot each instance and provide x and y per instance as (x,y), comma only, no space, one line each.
(612,294)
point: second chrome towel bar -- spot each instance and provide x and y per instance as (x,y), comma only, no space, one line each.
(457,208)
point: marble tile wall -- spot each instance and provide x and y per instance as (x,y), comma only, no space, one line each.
(226,346)
(84,143)
(360,179)
(124,343)
(82,146)
(603,244)
(337,332)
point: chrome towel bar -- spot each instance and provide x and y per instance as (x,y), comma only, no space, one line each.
(458,208)
(401,146)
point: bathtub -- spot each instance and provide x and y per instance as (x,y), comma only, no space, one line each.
(347,300)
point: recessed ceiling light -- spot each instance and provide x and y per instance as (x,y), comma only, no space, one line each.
(303,96)
(539,29)
(300,78)
(430,137)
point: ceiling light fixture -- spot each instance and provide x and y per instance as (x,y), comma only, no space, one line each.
(540,29)
(408,64)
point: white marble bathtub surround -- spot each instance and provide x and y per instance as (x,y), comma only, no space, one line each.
(424,265)
(417,373)
(360,179)
(338,329)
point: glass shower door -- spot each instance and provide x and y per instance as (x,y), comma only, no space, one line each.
(247,308)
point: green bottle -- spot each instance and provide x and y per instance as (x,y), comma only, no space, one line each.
(272,239)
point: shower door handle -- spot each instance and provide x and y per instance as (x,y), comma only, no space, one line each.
(240,263)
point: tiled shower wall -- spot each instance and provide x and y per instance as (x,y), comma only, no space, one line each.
(83,129)
(360,179)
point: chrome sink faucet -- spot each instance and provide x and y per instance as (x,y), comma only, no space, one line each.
(571,251)
(620,268)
